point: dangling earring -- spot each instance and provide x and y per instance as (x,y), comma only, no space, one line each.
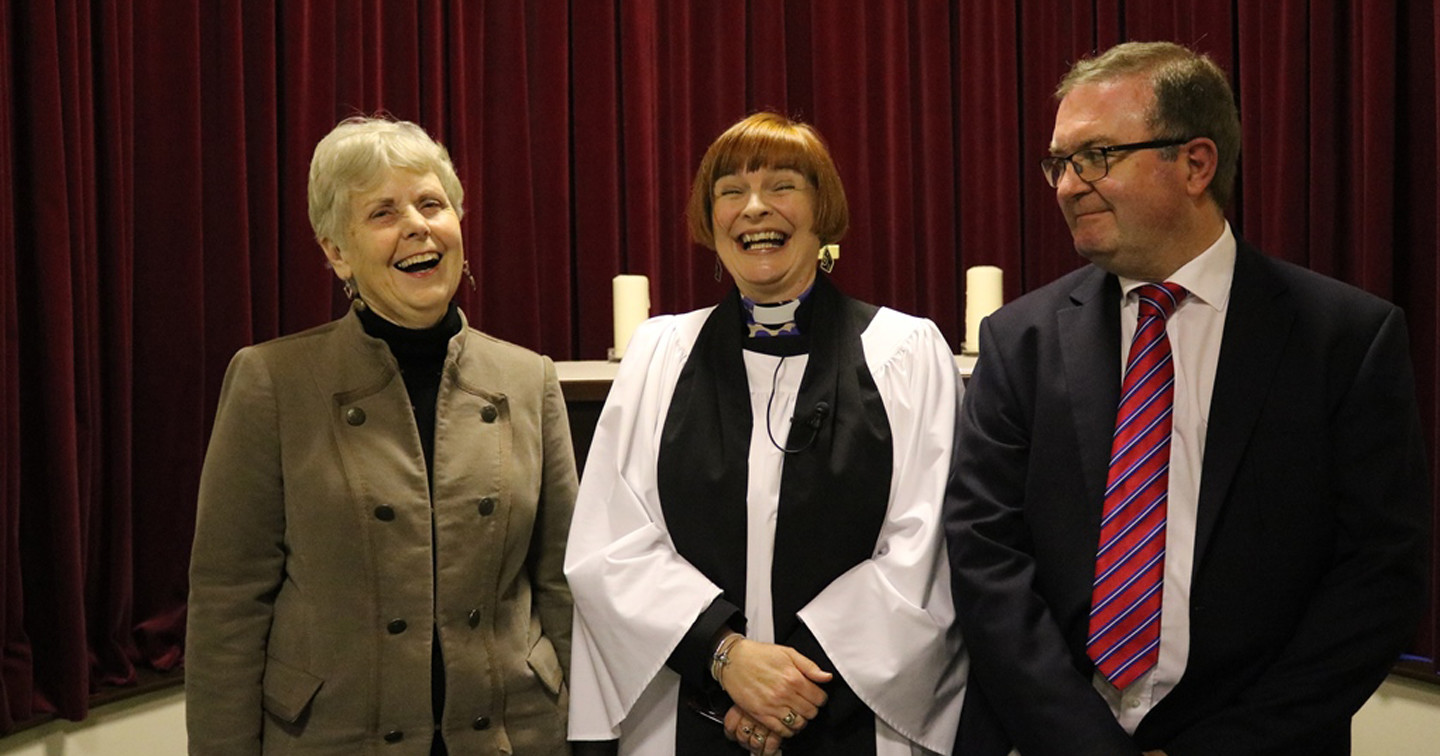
(718,276)
(828,255)
(468,277)
(352,293)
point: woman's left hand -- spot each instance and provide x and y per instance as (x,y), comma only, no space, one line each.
(776,685)
(750,734)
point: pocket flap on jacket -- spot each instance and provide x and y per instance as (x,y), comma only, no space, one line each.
(288,690)
(546,665)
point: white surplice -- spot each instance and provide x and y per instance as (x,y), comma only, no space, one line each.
(886,624)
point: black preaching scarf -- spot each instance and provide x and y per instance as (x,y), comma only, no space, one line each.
(833,493)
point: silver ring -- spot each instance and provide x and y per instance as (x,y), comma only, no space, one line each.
(789,719)
(745,729)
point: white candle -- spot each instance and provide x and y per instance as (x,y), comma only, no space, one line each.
(632,307)
(984,293)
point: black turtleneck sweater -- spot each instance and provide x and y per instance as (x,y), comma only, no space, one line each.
(421,355)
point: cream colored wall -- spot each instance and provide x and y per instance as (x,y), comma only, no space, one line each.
(1402,718)
(148,725)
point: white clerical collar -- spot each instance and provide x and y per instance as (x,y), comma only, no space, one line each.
(775,314)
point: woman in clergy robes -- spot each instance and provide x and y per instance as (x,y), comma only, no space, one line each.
(378,558)
(756,558)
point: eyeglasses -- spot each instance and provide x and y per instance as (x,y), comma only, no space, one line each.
(1093,163)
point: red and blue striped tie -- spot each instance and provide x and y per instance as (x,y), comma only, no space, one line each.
(1130,563)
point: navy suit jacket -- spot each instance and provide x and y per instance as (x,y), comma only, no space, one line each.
(1309,563)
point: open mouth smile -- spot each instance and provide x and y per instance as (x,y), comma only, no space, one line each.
(763,240)
(419,263)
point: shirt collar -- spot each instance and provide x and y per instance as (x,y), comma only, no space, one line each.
(1207,277)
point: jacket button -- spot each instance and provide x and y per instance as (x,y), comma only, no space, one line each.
(394,736)
(396,626)
(474,618)
(384,513)
(355,416)
(482,723)
(487,506)
(488,413)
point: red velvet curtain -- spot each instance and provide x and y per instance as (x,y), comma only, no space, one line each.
(152,208)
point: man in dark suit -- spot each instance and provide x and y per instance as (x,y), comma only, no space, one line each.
(1241,577)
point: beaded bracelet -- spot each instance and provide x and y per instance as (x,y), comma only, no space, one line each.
(721,658)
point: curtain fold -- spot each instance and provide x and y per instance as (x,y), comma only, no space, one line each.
(153,210)
(110,567)
(188,231)
(51,166)
(995,163)
(1417,264)
(16,672)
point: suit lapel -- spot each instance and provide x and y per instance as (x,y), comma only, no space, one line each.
(1257,322)
(1090,348)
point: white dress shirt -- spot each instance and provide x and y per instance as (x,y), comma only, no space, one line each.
(1195,331)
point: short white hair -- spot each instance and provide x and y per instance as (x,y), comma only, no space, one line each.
(354,155)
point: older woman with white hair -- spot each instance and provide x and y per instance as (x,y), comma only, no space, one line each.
(384,505)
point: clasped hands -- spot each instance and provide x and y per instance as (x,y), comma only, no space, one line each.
(775,690)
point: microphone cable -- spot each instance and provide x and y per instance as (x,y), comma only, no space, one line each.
(817,416)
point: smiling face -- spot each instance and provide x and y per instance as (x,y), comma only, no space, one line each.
(764,222)
(402,248)
(1126,222)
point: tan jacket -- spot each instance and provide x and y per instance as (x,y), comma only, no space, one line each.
(315,582)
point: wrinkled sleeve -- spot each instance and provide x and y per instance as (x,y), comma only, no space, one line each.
(901,652)
(236,565)
(635,597)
